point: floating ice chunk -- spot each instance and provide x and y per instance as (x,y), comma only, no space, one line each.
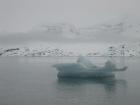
(109,65)
(84,68)
(85,63)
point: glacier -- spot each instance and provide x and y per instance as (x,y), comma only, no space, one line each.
(84,68)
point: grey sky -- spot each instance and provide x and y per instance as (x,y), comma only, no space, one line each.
(23,15)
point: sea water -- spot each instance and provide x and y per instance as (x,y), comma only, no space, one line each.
(33,81)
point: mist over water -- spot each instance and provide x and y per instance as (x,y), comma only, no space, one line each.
(33,81)
(37,34)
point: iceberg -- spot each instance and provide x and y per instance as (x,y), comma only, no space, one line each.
(84,68)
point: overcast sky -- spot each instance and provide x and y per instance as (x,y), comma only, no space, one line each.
(23,15)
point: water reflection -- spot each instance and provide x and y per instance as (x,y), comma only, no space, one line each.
(110,84)
(100,91)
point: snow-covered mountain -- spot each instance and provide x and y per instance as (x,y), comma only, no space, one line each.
(27,51)
(63,30)
(121,30)
(118,50)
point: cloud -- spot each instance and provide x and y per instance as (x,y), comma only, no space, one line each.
(118,32)
(46,33)
(123,30)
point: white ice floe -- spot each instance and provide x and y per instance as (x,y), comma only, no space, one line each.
(84,68)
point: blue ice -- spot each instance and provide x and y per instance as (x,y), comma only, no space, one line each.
(84,68)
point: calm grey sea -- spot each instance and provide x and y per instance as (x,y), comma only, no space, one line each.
(33,81)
